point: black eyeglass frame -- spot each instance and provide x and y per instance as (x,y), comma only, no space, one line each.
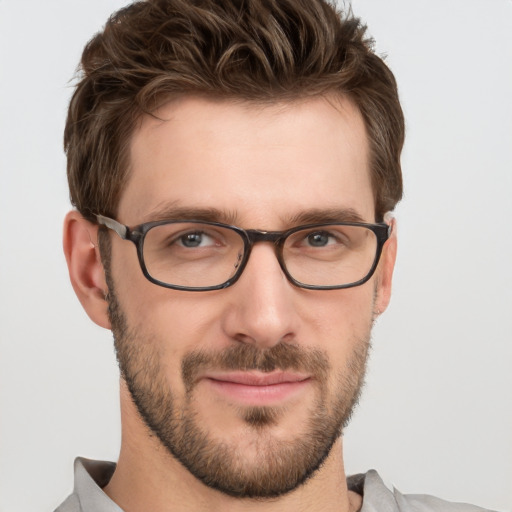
(137,234)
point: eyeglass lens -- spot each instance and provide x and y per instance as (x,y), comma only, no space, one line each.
(202,255)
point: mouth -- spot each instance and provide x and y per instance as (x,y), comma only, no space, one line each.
(257,388)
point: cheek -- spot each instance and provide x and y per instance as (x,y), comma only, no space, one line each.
(339,321)
(172,322)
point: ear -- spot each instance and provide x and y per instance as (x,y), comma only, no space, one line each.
(385,271)
(85,268)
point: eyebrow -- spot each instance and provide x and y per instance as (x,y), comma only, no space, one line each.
(321,215)
(173,211)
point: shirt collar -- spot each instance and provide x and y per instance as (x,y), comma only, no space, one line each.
(90,478)
(92,475)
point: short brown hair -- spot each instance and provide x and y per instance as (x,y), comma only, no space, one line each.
(253,50)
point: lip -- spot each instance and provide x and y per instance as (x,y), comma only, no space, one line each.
(257,388)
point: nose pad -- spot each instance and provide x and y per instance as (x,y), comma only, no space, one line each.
(262,308)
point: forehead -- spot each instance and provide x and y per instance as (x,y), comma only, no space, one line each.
(260,164)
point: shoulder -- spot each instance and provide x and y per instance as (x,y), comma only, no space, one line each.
(427,503)
(378,498)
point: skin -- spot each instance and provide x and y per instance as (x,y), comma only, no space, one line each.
(262,166)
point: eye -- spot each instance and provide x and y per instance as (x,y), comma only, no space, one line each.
(320,239)
(195,239)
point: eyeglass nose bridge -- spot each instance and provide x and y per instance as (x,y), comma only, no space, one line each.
(257,235)
(254,236)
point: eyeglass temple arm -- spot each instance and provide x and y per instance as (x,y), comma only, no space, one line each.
(389,220)
(119,228)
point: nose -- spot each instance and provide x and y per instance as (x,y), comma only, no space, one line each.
(262,306)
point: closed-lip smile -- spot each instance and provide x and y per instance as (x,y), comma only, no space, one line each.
(257,388)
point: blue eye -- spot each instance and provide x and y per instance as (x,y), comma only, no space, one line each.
(195,239)
(320,239)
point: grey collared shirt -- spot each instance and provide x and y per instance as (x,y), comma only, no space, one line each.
(91,476)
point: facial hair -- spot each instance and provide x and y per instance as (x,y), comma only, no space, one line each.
(281,465)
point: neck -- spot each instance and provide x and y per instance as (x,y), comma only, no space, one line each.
(147,477)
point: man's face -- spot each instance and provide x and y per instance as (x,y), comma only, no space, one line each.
(250,386)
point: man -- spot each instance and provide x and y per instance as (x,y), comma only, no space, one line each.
(233,166)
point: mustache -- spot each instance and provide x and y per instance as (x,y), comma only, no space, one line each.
(246,357)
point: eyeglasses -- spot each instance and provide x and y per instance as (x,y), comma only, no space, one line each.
(200,256)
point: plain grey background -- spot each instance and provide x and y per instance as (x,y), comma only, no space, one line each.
(436,416)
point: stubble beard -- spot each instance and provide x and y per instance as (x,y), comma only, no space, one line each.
(280,466)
